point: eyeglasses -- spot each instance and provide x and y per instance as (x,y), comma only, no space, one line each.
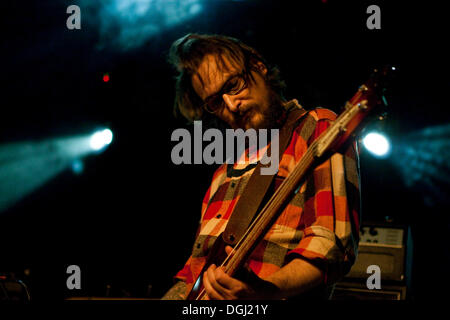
(232,87)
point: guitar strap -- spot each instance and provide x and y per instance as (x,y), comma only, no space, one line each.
(258,184)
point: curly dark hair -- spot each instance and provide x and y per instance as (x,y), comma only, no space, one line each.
(187,53)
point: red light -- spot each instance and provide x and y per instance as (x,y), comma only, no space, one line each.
(106,78)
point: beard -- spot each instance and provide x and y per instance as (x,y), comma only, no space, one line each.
(275,113)
(269,118)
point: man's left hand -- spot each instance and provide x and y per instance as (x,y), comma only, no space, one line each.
(221,286)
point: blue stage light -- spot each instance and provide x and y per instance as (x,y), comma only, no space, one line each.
(101,139)
(33,163)
(423,159)
(129,24)
(377,144)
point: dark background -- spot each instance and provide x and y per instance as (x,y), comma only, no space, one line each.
(129,219)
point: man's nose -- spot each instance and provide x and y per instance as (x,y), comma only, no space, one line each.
(232,102)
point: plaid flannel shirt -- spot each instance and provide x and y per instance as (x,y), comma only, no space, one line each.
(320,224)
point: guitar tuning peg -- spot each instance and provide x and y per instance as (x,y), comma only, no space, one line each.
(363,88)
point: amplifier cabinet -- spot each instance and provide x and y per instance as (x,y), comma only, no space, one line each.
(391,261)
(389,248)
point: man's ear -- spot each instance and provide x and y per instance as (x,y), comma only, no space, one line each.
(261,67)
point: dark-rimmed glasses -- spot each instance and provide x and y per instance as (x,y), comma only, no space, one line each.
(233,86)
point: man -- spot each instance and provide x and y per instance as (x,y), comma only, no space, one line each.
(314,241)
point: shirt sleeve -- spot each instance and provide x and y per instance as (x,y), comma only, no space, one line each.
(331,211)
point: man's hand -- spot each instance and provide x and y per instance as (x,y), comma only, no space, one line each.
(220,286)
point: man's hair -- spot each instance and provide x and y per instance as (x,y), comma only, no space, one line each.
(187,53)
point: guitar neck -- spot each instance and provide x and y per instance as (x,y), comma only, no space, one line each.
(265,218)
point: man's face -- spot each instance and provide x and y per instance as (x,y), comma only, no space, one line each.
(249,108)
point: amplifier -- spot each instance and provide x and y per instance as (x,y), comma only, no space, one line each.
(386,246)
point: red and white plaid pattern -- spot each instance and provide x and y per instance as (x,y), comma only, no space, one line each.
(320,224)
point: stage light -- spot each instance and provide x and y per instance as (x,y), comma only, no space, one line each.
(423,159)
(26,166)
(377,144)
(106,77)
(101,139)
(129,24)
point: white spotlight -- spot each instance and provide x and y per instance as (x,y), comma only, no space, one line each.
(377,144)
(101,139)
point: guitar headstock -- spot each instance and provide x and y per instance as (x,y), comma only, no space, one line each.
(374,89)
(369,98)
